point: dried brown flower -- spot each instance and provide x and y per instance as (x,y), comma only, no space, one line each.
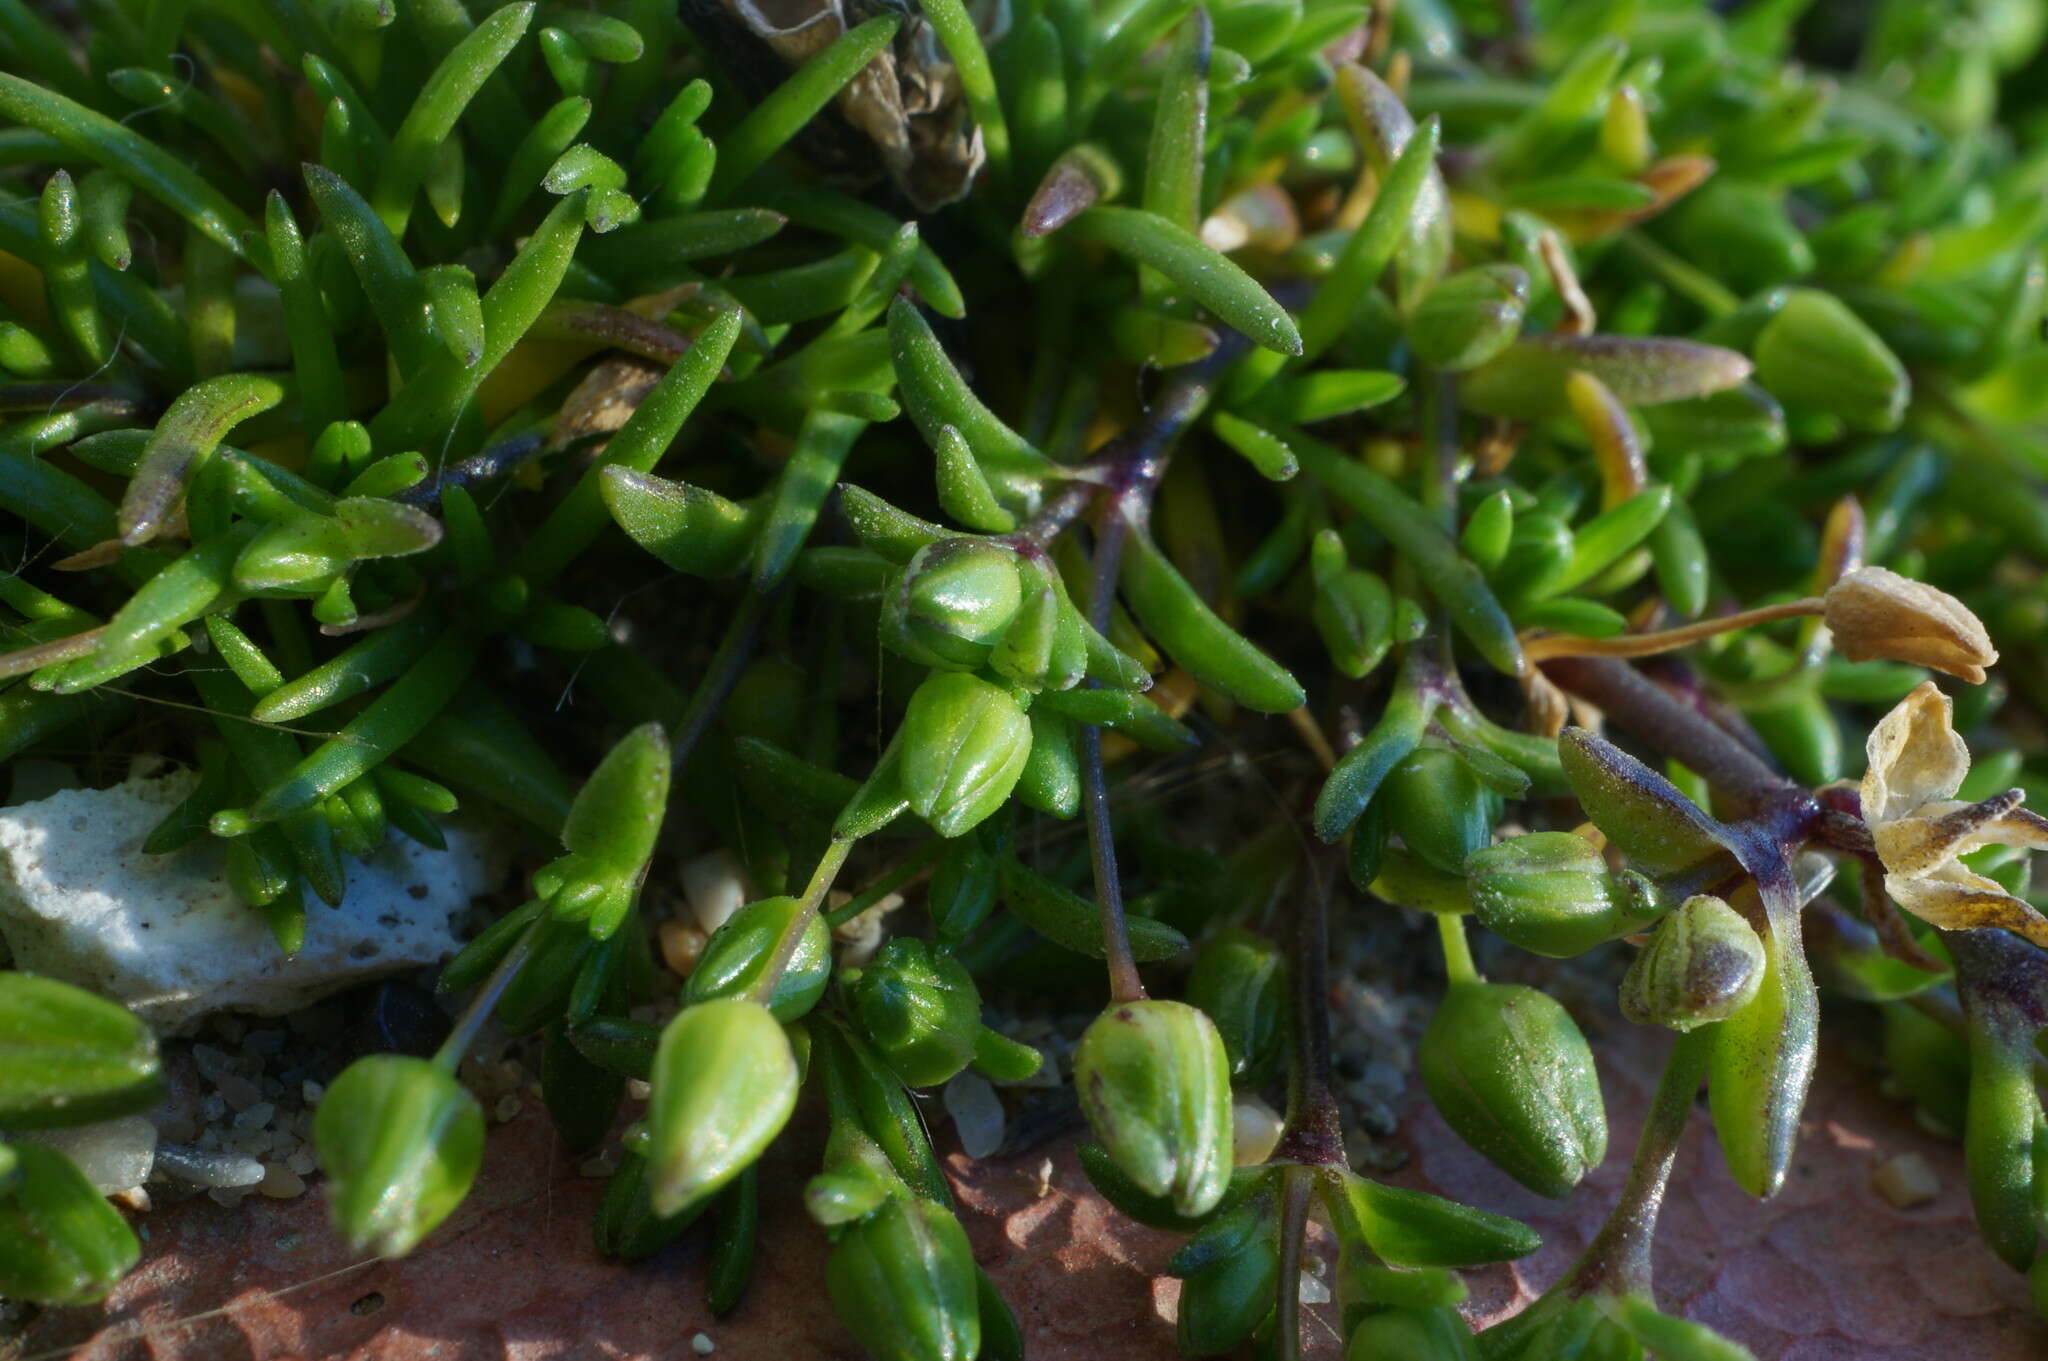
(1874,613)
(1917,763)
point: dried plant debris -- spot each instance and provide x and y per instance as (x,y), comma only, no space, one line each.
(1001,568)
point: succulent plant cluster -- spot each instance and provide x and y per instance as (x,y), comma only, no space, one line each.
(878,441)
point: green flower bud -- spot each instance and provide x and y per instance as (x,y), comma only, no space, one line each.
(1439,808)
(1818,355)
(904,1283)
(743,948)
(1153,1211)
(1515,1078)
(69,1058)
(1703,964)
(965,742)
(1552,894)
(60,1241)
(725,1082)
(1469,317)
(1239,981)
(400,1140)
(1412,1335)
(953,603)
(921,1010)
(1154,1081)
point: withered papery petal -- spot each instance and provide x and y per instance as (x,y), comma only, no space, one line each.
(1955,899)
(1916,757)
(1939,832)
(1874,613)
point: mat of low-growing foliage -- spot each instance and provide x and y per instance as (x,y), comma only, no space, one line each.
(1591,455)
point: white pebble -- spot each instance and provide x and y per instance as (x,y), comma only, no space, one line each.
(1254,1131)
(1906,1181)
(977,1113)
(716,887)
(1313,1291)
(256,1117)
(80,900)
(202,1168)
(113,1154)
(702,1345)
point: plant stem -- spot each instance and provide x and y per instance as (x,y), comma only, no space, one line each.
(1131,466)
(34,657)
(1618,1258)
(449,1055)
(1645,710)
(1124,983)
(906,869)
(1560,645)
(827,870)
(1458,963)
(735,649)
(1296,1185)
(1315,1131)
(1128,468)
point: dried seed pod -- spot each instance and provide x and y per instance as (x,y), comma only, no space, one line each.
(1874,613)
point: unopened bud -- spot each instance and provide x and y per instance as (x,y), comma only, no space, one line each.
(903,1280)
(1552,893)
(740,951)
(965,742)
(952,603)
(1154,1081)
(725,1082)
(400,1140)
(1514,1077)
(1439,808)
(60,1241)
(1704,962)
(921,1009)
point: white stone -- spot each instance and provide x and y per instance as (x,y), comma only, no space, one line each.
(716,887)
(977,1113)
(81,901)
(114,1154)
(1255,1130)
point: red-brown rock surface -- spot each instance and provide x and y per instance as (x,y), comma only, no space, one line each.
(1827,1272)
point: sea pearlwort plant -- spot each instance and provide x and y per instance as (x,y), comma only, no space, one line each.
(891,443)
